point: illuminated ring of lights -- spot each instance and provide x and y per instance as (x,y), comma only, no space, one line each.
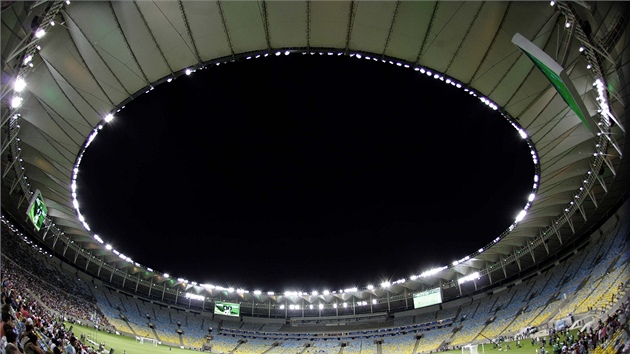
(332,52)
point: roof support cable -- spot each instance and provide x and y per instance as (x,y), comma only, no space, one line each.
(351,13)
(494,39)
(391,29)
(461,43)
(146,24)
(225,28)
(190,35)
(266,24)
(86,66)
(308,26)
(426,34)
(133,55)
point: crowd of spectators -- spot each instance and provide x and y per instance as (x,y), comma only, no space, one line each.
(35,310)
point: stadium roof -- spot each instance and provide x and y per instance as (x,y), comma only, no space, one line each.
(100,55)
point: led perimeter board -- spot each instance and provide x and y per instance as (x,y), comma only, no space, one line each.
(227,309)
(37,211)
(427,298)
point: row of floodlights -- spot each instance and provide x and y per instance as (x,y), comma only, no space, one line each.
(19,84)
(23,237)
(604,110)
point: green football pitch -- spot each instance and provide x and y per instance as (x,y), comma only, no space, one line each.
(122,344)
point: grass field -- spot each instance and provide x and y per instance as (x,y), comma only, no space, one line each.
(122,344)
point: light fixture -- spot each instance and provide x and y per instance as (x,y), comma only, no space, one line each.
(16,101)
(19,84)
(40,33)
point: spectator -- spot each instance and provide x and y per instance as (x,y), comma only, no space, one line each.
(32,346)
(11,349)
(70,349)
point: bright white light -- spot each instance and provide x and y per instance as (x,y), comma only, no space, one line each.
(109,118)
(531,197)
(431,272)
(470,277)
(166,275)
(169,79)
(271,293)
(281,307)
(314,293)
(287,52)
(521,215)
(257,292)
(567,25)
(321,306)
(109,247)
(581,49)
(552,3)
(52,23)
(67,2)
(350,290)
(311,306)
(194,297)
(536,178)
(326,292)
(16,101)
(370,287)
(374,301)
(522,133)
(40,33)
(19,84)
(385,284)
(345,304)
(335,305)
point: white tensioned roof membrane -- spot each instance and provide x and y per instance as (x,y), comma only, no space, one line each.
(100,54)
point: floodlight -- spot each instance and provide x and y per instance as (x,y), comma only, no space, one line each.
(19,84)
(16,101)
(40,33)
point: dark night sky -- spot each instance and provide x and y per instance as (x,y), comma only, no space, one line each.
(303,173)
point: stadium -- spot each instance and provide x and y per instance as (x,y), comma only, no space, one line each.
(555,71)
